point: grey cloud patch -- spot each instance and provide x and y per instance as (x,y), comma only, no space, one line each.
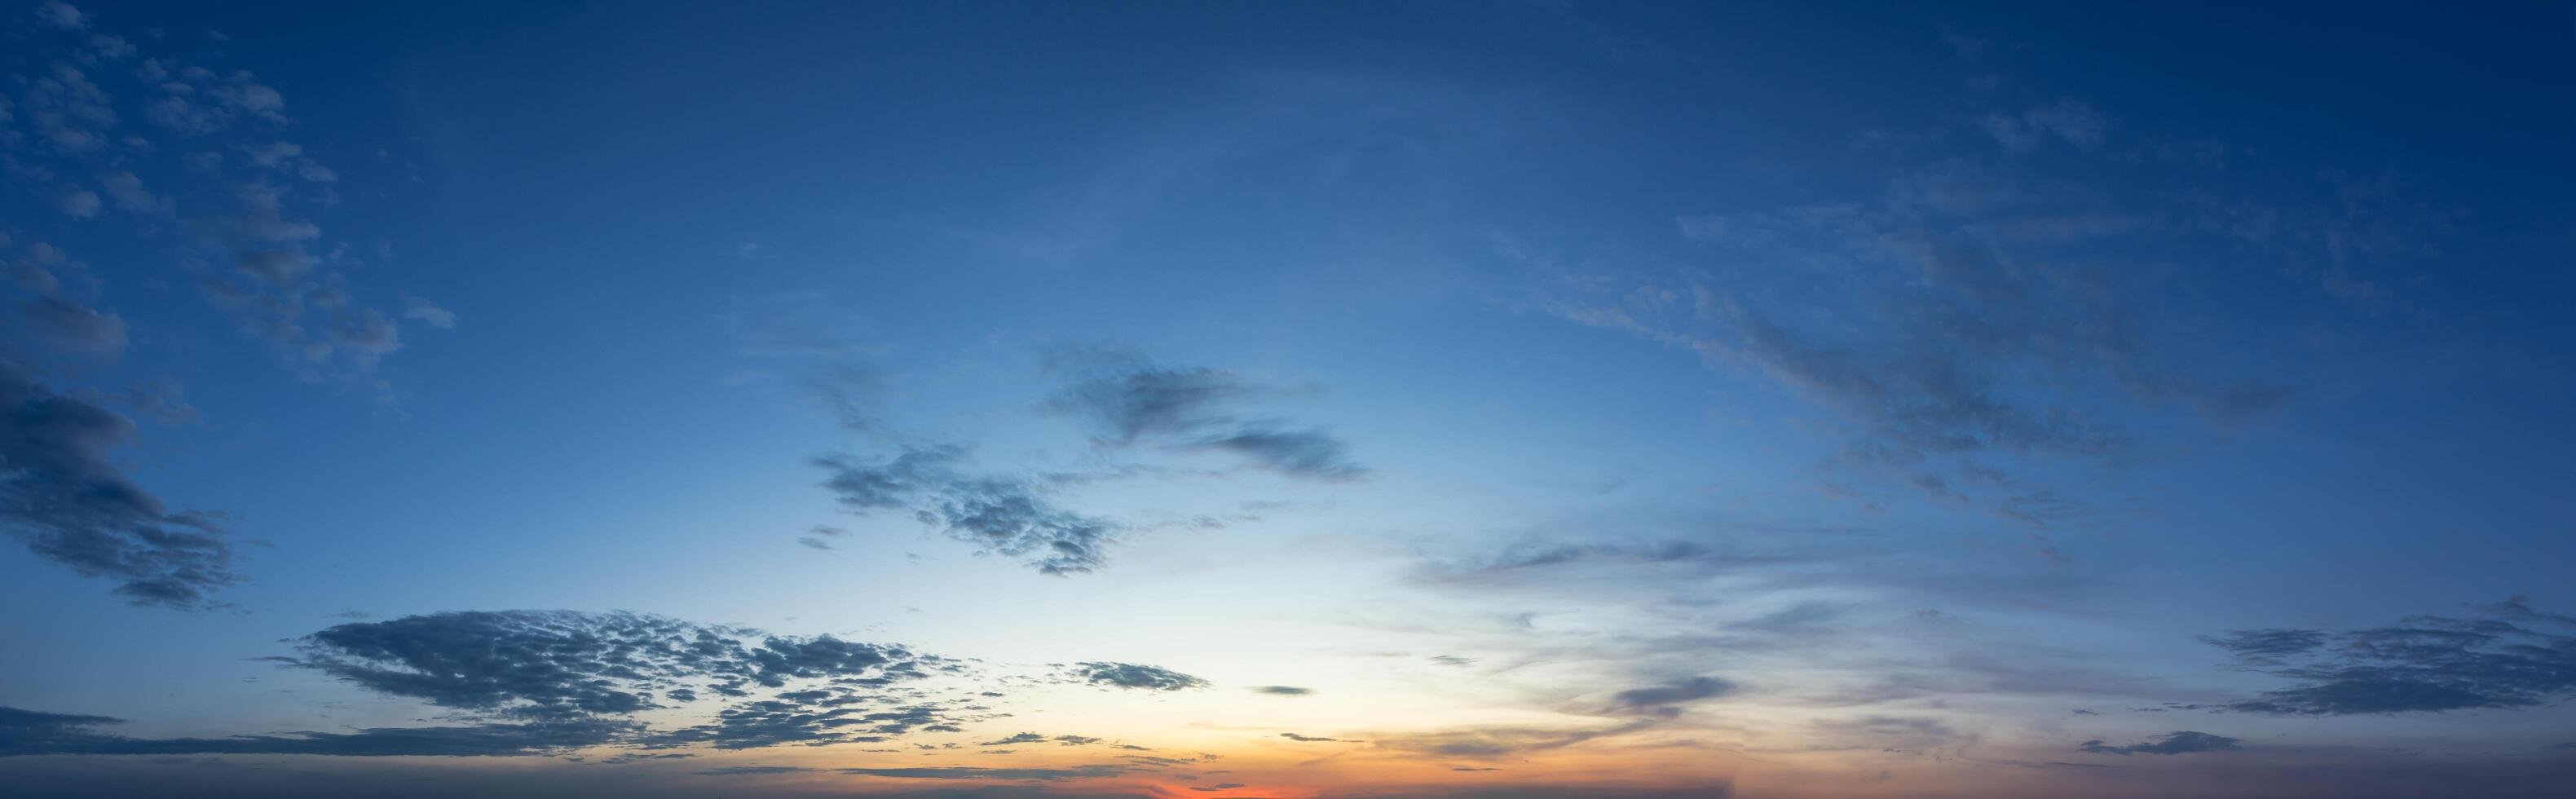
(63,497)
(1135,675)
(2422,664)
(1664,700)
(2178,742)
(1305,453)
(1002,514)
(72,327)
(1282,690)
(1129,403)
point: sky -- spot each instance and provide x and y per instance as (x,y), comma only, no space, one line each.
(1514,400)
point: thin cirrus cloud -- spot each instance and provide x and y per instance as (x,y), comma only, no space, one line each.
(1130,402)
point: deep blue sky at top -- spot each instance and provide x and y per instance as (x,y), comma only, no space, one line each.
(1522,258)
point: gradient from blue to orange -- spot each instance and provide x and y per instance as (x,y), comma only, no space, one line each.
(1252,399)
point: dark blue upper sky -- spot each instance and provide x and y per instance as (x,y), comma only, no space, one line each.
(1812,399)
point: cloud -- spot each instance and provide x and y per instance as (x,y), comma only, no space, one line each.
(1664,700)
(1022,738)
(26,732)
(981,773)
(1943,323)
(69,503)
(240,197)
(1282,690)
(534,682)
(2179,742)
(1304,453)
(1135,675)
(80,204)
(71,327)
(2066,120)
(428,313)
(1129,402)
(555,665)
(1001,514)
(61,14)
(1310,739)
(2422,664)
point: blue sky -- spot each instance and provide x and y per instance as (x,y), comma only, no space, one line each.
(1562,399)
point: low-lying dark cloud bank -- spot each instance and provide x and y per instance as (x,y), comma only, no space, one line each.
(540,682)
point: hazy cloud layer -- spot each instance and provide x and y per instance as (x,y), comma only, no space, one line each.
(2508,657)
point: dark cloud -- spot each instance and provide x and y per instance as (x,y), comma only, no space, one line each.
(1022,738)
(2422,664)
(978,773)
(26,732)
(2179,742)
(1310,738)
(1129,402)
(62,496)
(564,669)
(1134,675)
(1282,690)
(564,663)
(1002,514)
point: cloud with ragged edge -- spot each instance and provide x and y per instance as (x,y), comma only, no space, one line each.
(537,682)
(1134,676)
(69,503)
(2509,656)
(1005,515)
(1130,402)
(2178,742)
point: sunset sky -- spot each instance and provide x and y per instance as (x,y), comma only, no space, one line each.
(1512,400)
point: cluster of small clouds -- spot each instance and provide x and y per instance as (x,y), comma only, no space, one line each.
(232,194)
(1129,403)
